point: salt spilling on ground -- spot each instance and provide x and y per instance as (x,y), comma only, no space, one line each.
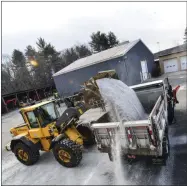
(123,105)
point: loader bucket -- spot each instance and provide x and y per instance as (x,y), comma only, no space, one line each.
(91,93)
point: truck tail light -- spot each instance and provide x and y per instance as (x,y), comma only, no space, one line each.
(151,135)
(129,136)
(131,156)
(150,132)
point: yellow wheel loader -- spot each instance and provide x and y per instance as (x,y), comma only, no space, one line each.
(44,130)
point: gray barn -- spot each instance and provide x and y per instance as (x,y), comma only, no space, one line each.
(133,62)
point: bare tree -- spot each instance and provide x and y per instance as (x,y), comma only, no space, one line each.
(19,72)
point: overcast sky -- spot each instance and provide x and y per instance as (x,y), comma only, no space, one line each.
(67,23)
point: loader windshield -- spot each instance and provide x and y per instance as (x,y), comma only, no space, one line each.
(48,114)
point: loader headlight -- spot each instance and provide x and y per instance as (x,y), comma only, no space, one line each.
(12,134)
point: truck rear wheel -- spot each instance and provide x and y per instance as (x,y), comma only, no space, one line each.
(67,153)
(26,155)
(165,152)
(165,148)
(170,113)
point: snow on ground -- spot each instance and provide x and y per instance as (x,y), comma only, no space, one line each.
(95,168)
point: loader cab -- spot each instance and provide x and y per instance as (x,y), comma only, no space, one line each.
(40,115)
(41,119)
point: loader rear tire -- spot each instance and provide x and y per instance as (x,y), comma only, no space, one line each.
(67,153)
(26,155)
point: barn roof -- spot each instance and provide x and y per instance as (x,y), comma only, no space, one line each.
(103,56)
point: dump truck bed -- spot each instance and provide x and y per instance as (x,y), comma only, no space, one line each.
(142,137)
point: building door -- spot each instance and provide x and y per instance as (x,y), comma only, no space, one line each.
(170,65)
(144,70)
(183,61)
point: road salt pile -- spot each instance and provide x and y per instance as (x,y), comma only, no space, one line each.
(123,105)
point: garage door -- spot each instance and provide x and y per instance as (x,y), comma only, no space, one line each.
(170,65)
(183,60)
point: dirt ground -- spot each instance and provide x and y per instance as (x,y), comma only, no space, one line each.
(95,168)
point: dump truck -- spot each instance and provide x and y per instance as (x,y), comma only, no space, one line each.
(144,138)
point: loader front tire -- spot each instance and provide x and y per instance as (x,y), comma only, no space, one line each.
(26,155)
(67,153)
